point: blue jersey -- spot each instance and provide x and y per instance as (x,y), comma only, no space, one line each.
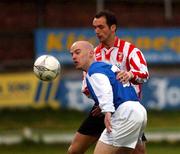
(105,89)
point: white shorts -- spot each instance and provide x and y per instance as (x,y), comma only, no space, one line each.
(128,123)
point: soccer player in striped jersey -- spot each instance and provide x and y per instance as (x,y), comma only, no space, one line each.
(125,118)
(133,68)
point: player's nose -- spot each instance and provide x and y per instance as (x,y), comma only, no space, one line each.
(74,57)
(96,30)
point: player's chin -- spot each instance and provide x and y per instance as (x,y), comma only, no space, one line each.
(77,66)
(101,39)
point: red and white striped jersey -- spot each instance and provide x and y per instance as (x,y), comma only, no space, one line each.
(127,57)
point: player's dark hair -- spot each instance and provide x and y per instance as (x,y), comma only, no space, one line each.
(110,17)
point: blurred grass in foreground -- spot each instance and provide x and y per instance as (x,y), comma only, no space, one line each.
(30,148)
(163,120)
(69,120)
(40,119)
(15,120)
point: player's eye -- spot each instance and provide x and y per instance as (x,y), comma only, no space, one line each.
(77,52)
(98,27)
(101,27)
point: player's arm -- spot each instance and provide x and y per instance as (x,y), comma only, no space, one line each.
(96,110)
(138,72)
(104,93)
(138,67)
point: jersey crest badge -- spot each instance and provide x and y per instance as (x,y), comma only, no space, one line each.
(120,57)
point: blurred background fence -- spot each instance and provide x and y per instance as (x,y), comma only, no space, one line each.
(30,28)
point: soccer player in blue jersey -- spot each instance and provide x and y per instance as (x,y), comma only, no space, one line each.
(125,118)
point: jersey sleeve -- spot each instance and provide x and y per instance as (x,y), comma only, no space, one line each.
(138,66)
(103,91)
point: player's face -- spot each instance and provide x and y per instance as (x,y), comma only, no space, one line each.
(80,57)
(102,30)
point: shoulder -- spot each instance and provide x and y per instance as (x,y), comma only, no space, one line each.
(124,42)
(127,47)
(99,67)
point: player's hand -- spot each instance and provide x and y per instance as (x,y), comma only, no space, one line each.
(107,121)
(124,76)
(85,91)
(96,111)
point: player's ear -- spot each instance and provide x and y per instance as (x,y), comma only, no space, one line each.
(113,28)
(92,52)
